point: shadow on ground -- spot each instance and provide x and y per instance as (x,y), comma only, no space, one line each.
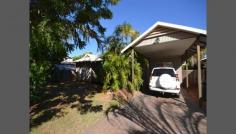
(155,113)
(159,94)
(59,97)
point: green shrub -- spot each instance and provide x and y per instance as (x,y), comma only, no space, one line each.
(117,72)
(39,75)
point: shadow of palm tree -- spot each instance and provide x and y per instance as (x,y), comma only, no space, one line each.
(166,117)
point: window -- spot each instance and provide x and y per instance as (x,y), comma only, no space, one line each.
(159,72)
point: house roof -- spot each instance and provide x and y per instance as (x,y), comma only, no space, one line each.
(67,60)
(167,25)
(89,57)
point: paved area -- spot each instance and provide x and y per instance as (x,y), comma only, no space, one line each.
(148,114)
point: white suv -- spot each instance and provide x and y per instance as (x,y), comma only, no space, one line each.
(165,80)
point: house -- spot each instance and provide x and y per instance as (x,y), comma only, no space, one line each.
(89,68)
(89,58)
(169,43)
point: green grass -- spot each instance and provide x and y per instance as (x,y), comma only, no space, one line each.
(71,117)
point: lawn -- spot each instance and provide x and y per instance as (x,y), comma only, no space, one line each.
(68,108)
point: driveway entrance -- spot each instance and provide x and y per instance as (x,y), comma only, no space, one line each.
(149,114)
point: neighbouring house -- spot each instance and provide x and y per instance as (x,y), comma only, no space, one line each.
(89,68)
(65,71)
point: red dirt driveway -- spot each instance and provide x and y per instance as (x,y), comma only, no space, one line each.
(147,114)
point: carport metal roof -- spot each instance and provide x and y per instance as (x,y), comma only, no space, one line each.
(164,40)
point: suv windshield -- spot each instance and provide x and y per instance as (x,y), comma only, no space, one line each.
(159,72)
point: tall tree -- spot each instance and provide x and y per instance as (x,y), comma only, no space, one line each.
(57,27)
(60,26)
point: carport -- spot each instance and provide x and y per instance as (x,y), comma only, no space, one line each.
(169,44)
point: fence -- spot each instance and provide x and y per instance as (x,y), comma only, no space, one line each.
(192,77)
(193,81)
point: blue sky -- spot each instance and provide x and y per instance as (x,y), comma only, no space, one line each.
(142,14)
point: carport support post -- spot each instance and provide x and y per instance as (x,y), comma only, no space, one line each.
(132,55)
(199,72)
(187,83)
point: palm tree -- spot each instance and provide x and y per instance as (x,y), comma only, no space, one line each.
(126,32)
(122,35)
(117,68)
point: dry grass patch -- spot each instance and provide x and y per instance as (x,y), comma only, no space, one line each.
(68,109)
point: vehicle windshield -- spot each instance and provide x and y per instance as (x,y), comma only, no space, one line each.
(159,72)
